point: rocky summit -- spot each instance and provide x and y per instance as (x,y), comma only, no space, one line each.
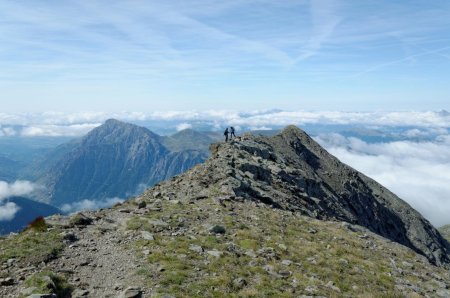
(262,217)
(291,171)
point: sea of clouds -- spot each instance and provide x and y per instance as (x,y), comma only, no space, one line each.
(418,172)
(90,204)
(78,124)
(410,156)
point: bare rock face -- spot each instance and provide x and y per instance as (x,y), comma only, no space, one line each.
(291,171)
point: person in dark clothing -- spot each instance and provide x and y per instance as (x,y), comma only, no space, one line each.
(225,133)
(232,133)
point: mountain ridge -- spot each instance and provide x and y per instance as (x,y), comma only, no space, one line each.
(262,217)
(292,172)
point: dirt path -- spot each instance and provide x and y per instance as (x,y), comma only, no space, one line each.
(100,262)
(98,258)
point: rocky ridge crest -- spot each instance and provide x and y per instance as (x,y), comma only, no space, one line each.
(291,171)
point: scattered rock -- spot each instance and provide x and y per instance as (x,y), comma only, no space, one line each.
(267,252)
(147,236)
(8,281)
(80,220)
(43,296)
(141,204)
(311,289)
(131,292)
(49,283)
(443,293)
(286,262)
(80,293)
(268,268)
(250,253)
(217,229)
(407,265)
(27,291)
(282,247)
(85,262)
(215,253)
(158,222)
(239,283)
(284,273)
(11,261)
(196,248)
(69,236)
(331,285)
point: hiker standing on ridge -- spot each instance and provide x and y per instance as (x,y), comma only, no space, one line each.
(232,133)
(225,133)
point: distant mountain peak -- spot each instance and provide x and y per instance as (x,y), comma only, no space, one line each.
(113,121)
(114,131)
(117,124)
(116,159)
(293,132)
(444,113)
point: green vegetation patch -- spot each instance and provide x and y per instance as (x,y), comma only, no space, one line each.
(32,246)
(263,253)
(47,282)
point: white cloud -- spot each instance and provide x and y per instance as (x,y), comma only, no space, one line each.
(58,130)
(183,126)
(78,124)
(90,205)
(7,131)
(8,211)
(418,172)
(18,188)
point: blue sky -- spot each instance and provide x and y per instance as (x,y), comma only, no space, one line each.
(240,55)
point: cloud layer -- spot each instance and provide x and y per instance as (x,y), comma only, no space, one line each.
(90,205)
(8,211)
(77,124)
(418,172)
(19,188)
